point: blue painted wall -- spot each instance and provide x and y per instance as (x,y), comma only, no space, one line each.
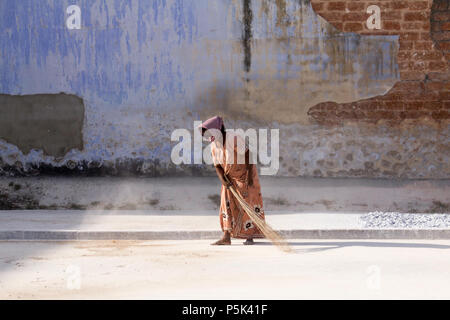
(146,67)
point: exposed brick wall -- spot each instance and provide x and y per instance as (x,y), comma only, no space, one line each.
(423,28)
(440,26)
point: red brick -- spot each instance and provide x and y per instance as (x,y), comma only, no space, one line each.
(444,95)
(355,16)
(387,114)
(432,105)
(393,96)
(333,16)
(391,25)
(411,25)
(374,115)
(399,4)
(423,45)
(440,115)
(428,95)
(365,105)
(362,116)
(336,5)
(405,65)
(419,66)
(444,45)
(417,5)
(404,55)
(329,106)
(391,15)
(416,16)
(405,45)
(414,105)
(436,26)
(439,36)
(338,25)
(444,26)
(356,5)
(425,36)
(440,5)
(369,32)
(426,26)
(346,115)
(434,85)
(380,105)
(410,36)
(426,55)
(412,75)
(437,66)
(395,105)
(439,76)
(415,91)
(353,26)
(411,114)
(441,16)
(317,6)
(385,5)
(408,86)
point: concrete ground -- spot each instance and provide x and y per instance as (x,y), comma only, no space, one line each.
(327,269)
(144,220)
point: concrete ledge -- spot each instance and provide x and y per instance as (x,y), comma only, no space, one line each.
(202,194)
(428,234)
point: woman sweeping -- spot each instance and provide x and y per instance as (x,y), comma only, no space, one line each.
(226,150)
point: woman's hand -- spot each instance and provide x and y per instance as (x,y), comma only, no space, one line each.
(221,175)
(228,185)
(226,181)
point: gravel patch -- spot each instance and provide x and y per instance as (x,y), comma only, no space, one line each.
(386,220)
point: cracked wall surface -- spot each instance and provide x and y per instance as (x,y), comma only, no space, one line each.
(423,57)
(144,68)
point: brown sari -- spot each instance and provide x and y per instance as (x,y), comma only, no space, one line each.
(232,217)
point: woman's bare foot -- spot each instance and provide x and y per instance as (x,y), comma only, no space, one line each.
(225,241)
(221,242)
(249,242)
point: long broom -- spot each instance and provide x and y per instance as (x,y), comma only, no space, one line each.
(267,230)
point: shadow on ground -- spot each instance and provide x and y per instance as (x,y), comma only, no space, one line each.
(330,245)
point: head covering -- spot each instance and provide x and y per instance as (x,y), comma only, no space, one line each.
(212,123)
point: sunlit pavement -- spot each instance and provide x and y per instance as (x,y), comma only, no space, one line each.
(330,269)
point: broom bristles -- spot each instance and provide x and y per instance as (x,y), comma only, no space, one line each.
(268,232)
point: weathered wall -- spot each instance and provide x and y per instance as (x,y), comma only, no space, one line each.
(144,68)
(423,58)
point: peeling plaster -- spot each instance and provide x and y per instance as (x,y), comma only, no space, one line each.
(144,68)
(51,122)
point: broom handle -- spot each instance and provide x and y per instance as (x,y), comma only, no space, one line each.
(226,178)
(233,190)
